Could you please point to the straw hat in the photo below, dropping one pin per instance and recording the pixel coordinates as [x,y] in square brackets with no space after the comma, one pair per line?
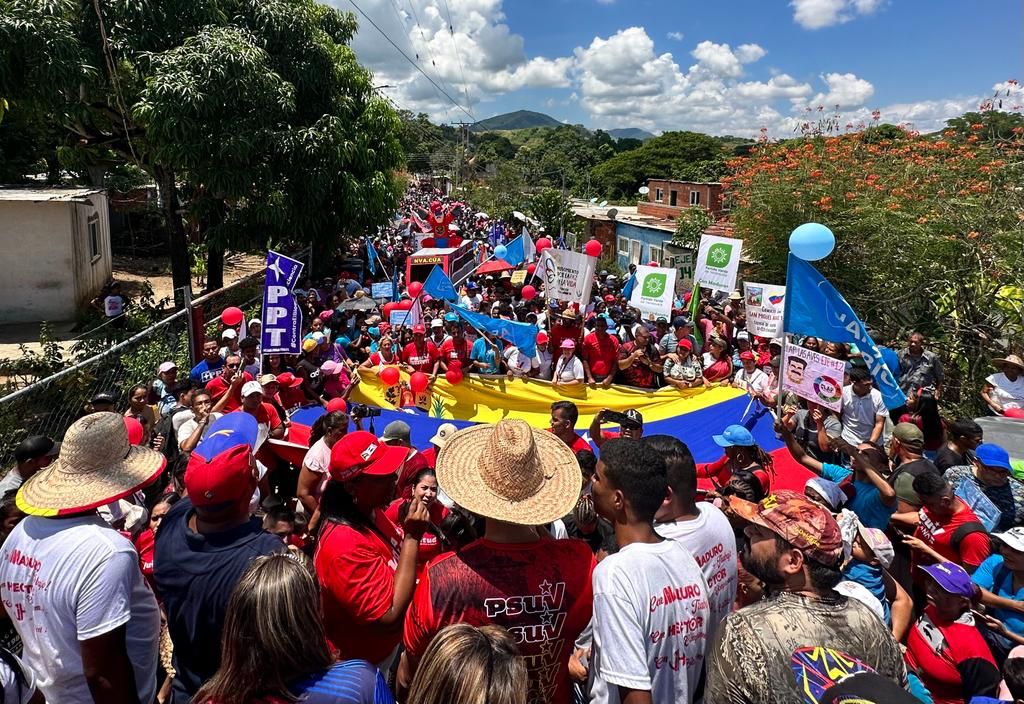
[510,472]
[1009,359]
[96,466]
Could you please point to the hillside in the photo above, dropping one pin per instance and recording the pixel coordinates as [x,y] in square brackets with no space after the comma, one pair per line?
[631,133]
[518,120]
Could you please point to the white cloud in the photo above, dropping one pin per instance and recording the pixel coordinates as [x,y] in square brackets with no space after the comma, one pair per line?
[845,90]
[816,14]
[749,53]
[779,86]
[718,59]
[677,36]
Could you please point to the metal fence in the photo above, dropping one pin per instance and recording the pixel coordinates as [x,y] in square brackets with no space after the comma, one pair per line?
[49,391]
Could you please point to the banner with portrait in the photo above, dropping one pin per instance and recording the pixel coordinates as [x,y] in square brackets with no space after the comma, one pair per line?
[813,376]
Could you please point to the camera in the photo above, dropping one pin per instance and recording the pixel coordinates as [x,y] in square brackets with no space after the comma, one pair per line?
[361,410]
[620,419]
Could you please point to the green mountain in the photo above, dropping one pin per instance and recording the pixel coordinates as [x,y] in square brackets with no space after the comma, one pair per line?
[518,120]
[630,133]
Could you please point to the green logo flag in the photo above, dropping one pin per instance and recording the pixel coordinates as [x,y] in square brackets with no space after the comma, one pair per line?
[654,290]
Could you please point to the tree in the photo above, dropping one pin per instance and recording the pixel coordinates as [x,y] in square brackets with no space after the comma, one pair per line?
[254,119]
[552,210]
[620,176]
[690,224]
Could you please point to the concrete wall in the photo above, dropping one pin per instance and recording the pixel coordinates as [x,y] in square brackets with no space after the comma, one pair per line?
[710,195]
[48,269]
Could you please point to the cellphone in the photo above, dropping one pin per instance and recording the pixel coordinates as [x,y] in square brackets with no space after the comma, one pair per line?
[617,418]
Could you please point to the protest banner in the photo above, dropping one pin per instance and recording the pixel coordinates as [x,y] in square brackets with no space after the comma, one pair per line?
[654,290]
[518,277]
[718,261]
[567,275]
[813,376]
[381,289]
[765,306]
[281,319]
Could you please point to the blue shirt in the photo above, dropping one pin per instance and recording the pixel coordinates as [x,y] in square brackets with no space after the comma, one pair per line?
[194,574]
[867,502]
[870,577]
[483,352]
[993,575]
[204,371]
[348,682]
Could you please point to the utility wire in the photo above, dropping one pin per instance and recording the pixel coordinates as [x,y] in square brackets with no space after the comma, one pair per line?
[451,33]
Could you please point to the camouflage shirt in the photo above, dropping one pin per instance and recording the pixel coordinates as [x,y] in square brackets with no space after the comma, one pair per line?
[789,648]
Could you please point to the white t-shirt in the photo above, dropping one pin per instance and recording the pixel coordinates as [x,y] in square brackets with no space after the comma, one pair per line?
[543,363]
[651,616]
[67,580]
[13,694]
[318,457]
[113,306]
[471,302]
[711,540]
[1008,394]
[568,371]
[186,429]
[518,363]
[859,414]
[755,382]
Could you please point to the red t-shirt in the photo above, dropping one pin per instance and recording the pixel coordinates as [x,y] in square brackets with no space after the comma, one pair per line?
[952,658]
[420,361]
[290,398]
[449,351]
[974,548]
[356,571]
[540,592]
[559,333]
[579,444]
[376,359]
[145,545]
[430,545]
[218,386]
[430,455]
[637,374]
[601,356]
[267,414]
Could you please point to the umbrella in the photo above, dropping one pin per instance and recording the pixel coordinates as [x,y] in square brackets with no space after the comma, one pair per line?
[494,265]
[482,216]
[361,303]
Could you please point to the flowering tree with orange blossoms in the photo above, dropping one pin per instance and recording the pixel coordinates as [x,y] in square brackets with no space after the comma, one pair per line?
[929,231]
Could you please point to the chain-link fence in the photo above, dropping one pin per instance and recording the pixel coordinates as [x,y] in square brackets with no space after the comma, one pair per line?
[47,391]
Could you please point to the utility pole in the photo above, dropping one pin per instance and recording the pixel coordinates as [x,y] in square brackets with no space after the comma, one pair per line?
[462,148]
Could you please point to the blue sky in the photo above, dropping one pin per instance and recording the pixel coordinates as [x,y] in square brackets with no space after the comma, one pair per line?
[726,67]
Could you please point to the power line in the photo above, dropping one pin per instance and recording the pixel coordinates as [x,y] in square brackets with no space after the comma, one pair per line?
[406,57]
[426,44]
[451,33]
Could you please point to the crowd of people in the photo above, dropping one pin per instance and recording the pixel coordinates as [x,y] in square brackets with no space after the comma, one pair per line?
[164,552]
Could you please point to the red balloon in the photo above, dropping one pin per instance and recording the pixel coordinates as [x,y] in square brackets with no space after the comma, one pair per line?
[232,316]
[530,268]
[388,307]
[541,244]
[455,365]
[454,376]
[593,248]
[654,264]
[529,293]
[415,288]
[403,305]
[390,376]
[427,242]
[418,382]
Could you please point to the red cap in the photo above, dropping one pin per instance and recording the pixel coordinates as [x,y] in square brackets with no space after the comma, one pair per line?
[686,345]
[609,298]
[542,337]
[747,356]
[337,404]
[226,477]
[362,453]
[288,379]
[419,329]
[135,430]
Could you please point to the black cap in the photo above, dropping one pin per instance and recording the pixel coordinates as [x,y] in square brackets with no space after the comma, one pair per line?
[35,446]
[103,397]
[635,416]
[681,321]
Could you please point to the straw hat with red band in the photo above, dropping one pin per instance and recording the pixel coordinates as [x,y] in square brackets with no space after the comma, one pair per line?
[362,453]
[96,465]
[510,472]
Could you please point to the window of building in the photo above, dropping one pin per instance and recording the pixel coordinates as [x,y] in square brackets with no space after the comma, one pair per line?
[635,250]
[94,238]
[656,254]
[622,245]
[694,197]
[659,195]
[673,198]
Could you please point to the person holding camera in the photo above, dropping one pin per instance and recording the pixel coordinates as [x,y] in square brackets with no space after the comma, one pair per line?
[631,426]
[640,360]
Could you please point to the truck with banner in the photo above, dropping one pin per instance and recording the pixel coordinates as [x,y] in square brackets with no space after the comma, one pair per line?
[456,262]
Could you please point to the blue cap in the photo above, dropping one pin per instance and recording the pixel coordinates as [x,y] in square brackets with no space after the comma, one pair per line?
[735,436]
[228,431]
[991,455]
[952,578]
[471,286]
[451,318]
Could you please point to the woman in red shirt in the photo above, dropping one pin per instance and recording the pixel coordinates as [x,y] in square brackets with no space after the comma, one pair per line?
[424,490]
[717,363]
[366,565]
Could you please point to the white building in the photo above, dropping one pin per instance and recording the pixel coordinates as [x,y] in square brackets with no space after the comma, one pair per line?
[56,251]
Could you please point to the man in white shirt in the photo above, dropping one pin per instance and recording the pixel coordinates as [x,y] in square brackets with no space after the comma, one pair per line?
[751,379]
[472,299]
[863,414]
[31,455]
[700,527]
[651,609]
[71,584]
[542,360]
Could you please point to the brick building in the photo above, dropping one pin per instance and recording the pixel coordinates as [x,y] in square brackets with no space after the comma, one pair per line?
[668,198]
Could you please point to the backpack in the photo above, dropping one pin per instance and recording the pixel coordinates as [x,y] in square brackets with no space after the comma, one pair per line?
[966,529]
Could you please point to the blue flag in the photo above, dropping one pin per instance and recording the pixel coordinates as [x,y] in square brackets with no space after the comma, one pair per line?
[394,286]
[371,257]
[440,286]
[627,290]
[814,307]
[522,335]
[281,317]
[516,252]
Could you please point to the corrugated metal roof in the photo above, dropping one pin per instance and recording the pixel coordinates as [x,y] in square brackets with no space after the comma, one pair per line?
[42,194]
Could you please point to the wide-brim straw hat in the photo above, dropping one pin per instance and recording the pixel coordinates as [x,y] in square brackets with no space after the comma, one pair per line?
[510,472]
[1009,359]
[96,466]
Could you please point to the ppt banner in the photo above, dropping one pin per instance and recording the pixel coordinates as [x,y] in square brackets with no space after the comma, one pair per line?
[282,319]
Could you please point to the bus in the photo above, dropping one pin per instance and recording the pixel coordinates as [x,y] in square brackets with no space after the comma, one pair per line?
[456,262]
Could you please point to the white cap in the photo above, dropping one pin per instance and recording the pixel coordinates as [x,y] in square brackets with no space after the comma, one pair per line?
[229,334]
[166,367]
[437,323]
[1013,538]
[251,387]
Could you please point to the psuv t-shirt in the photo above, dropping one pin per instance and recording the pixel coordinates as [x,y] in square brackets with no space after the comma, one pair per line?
[195,574]
[540,592]
[952,658]
[974,547]
[421,361]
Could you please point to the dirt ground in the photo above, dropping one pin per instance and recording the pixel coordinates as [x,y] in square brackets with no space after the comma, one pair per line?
[133,273]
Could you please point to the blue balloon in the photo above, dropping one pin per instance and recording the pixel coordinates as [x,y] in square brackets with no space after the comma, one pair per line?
[500,252]
[812,241]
